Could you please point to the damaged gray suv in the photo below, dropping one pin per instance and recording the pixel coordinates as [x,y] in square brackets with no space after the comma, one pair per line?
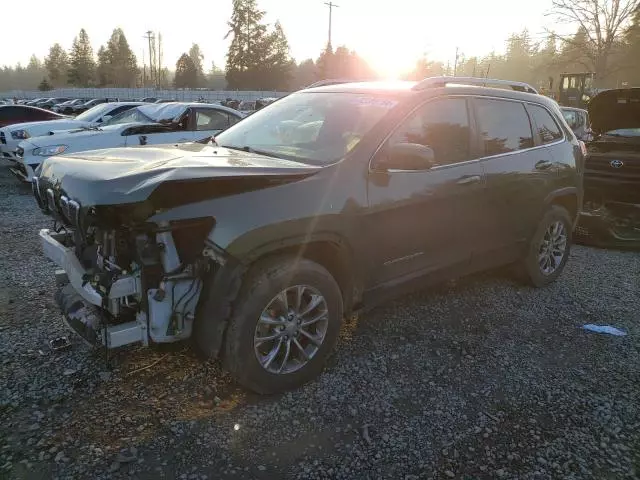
[328,201]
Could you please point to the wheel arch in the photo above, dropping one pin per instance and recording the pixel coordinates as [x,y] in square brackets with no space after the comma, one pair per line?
[568,198]
[329,250]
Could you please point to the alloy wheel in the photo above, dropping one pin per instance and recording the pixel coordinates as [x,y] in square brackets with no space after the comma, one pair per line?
[291,329]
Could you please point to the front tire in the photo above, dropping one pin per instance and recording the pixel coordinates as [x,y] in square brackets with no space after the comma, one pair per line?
[284,325]
[549,248]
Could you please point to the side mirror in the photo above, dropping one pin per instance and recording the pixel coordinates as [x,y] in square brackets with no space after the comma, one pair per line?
[106,118]
[407,156]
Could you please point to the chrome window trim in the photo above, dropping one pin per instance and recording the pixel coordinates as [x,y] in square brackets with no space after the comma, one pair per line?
[466,162]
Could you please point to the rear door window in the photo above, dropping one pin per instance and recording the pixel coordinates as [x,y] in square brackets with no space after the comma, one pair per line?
[503,126]
[546,127]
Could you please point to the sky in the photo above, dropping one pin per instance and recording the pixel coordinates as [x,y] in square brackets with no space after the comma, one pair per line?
[389,35]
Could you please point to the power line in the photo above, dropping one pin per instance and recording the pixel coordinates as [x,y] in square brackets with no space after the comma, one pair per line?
[330,5]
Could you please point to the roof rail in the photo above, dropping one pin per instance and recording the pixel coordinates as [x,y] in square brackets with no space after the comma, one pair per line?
[332,81]
[434,82]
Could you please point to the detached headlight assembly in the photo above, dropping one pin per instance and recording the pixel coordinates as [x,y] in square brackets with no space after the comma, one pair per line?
[19,134]
[49,151]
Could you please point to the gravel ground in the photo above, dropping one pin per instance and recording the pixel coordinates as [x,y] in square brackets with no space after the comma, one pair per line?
[478,379]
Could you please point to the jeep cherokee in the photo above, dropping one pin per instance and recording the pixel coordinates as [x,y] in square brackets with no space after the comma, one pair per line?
[330,200]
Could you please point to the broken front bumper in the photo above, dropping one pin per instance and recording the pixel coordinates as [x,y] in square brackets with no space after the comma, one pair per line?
[602,227]
[83,306]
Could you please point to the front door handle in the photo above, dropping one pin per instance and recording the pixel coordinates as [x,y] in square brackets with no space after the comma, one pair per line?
[469,180]
[543,165]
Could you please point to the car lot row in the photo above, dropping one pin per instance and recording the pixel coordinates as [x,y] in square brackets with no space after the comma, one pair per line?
[111,124]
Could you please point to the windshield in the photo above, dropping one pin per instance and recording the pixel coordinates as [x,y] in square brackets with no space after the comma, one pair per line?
[573,118]
[624,132]
[312,127]
[134,115]
[94,113]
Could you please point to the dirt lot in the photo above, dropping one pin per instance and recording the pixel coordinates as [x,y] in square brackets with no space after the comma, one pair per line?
[480,379]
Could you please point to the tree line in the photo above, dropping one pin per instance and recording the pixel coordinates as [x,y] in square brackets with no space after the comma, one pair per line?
[607,42]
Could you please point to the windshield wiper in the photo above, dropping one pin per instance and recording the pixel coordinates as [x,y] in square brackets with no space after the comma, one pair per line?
[249,149]
[94,127]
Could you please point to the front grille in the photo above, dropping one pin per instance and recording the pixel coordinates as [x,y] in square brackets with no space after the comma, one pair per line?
[70,210]
[613,166]
[61,207]
[3,139]
[35,188]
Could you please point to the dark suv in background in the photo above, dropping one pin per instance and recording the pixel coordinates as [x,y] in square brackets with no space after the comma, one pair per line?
[328,201]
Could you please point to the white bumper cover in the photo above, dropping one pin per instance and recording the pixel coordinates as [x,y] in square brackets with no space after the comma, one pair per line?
[66,259]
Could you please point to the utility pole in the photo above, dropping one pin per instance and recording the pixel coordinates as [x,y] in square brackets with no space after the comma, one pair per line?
[159,62]
[330,5]
[144,71]
[455,65]
[151,39]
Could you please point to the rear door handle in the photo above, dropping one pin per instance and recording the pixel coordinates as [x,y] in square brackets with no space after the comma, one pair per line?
[543,165]
[469,180]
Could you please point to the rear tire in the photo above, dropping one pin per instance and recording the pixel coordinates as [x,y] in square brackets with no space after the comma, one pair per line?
[274,296]
[549,248]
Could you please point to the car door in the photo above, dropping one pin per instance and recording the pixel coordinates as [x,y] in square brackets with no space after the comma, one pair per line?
[417,219]
[519,171]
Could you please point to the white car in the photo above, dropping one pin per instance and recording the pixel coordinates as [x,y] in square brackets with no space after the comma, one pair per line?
[150,124]
[12,135]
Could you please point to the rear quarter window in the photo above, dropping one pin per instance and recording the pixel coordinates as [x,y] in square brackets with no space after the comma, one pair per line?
[504,126]
[544,124]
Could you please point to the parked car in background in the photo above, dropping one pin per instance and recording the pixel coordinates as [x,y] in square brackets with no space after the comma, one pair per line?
[33,102]
[611,210]
[12,135]
[51,102]
[247,106]
[329,200]
[83,107]
[147,124]
[578,120]
[165,100]
[66,108]
[149,99]
[11,114]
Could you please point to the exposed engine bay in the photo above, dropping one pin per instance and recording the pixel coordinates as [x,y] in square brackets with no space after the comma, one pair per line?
[126,285]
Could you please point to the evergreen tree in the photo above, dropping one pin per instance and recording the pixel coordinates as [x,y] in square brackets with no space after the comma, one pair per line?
[304,74]
[632,51]
[44,85]
[279,64]
[186,73]
[57,65]
[249,46]
[117,65]
[82,66]
[197,58]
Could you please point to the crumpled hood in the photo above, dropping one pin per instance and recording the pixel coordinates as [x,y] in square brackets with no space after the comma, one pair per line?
[127,175]
[615,109]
